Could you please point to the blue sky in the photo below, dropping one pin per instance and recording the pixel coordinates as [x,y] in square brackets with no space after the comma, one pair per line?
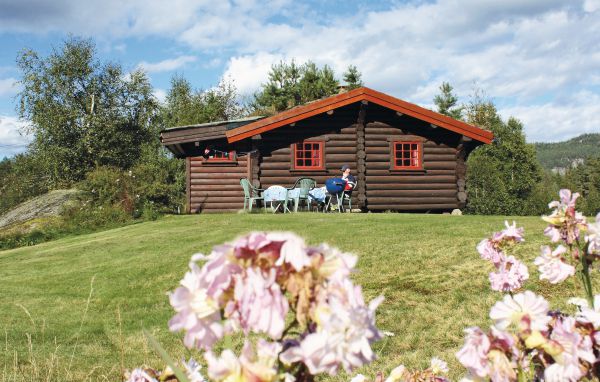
[538,59]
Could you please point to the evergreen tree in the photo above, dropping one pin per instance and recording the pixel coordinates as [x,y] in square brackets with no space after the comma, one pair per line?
[291,85]
[352,78]
[447,102]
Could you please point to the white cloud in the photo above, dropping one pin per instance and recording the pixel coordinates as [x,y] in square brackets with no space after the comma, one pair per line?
[160,94]
[556,121]
[8,87]
[11,140]
[249,72]
[166,65]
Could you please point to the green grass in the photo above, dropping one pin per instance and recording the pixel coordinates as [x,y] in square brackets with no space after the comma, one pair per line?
[426,266]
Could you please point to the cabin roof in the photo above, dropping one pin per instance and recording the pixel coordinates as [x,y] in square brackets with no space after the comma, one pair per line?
[362,94]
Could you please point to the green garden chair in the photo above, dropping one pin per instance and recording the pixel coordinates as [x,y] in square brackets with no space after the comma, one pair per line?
[304,185]
[251,194]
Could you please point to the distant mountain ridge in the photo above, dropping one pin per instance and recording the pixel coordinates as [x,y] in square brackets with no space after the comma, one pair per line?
[559,156]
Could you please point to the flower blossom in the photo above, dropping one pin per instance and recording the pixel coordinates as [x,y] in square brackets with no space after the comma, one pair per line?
[488,251]
[196,302]
[438,366]
[192,371]
[259,367]
[474,353]
[344,333]
[512,310]
[510,276]
[590,315]
[140,375]
[565,222]
[552,266]
[593,237]
[261,305]
[510,233]
[574,348]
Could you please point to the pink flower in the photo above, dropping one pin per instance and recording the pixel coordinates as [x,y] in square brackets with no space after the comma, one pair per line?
[565,222]
[510,233]
[474,353]
[140,375]
[293,250]
[197,312]
[344,333]
[510,276]
[552,266]
[512,310]
[590,315]
[192,371]
[260,367]
[575,349]
[261,306]
[593,237]
[335,264]
[488,251]
[225,367]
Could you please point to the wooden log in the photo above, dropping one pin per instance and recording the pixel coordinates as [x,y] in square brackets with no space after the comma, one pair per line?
[329,149]
[215,187]
[225,175]
[340,157]
[410,186]
[232,206]
[217,199]
[411,179]
[271,173]
[212,193]
[218,169]
[410,207]
[446,193]
[410,200]
[439,165]
[204,181]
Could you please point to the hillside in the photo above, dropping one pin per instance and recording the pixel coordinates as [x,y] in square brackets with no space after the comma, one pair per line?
[426,266]
[565,154]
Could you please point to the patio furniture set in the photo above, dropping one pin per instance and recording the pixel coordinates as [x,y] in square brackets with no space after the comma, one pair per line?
[304,192]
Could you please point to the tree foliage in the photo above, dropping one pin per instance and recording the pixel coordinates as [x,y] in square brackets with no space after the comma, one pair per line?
[186,106]
[83,113]
[291,85]
[502,176]
[447,102]
[352,78]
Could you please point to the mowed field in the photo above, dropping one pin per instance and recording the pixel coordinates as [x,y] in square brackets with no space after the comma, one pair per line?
[74,309]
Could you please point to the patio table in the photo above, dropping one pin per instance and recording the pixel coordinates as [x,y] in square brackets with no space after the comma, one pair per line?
[277,196]
[316,194]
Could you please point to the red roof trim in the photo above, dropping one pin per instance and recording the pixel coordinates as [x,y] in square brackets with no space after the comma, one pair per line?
[361,94]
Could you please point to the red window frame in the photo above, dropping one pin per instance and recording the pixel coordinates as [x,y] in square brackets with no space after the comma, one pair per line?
[407,155]
[222,156]
[308,155]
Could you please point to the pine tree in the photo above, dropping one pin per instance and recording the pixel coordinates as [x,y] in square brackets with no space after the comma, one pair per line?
[447,101]
[352,78]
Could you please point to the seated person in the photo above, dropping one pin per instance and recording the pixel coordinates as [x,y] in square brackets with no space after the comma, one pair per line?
[349,178]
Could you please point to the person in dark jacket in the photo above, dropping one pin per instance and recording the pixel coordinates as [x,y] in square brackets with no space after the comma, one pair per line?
[349,178]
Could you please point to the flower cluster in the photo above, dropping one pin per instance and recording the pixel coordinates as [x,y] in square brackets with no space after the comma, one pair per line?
[436,372]
[527,340]
[191,370]
[510,273]
[275,285]
[565,222]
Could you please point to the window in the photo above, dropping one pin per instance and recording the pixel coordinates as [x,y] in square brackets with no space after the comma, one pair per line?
[308,155]
[220,156]
[407,155]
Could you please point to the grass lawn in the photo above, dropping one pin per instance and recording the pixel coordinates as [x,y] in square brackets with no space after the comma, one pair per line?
[426,266]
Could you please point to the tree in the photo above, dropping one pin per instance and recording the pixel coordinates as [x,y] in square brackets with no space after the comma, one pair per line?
[186,106]
[291,85]
[83,113]
[352,78]
[447,102]
[502,176]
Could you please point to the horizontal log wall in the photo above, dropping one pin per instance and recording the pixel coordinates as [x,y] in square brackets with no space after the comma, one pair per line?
[216,187]
[433,188]
[276,153]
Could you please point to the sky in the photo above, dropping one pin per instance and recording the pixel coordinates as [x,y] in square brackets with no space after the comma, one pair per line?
[537,60]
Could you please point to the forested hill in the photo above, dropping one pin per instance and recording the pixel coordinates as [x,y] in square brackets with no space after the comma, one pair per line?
[564,154]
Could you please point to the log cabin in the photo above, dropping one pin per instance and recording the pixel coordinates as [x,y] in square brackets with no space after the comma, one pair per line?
[404,157]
